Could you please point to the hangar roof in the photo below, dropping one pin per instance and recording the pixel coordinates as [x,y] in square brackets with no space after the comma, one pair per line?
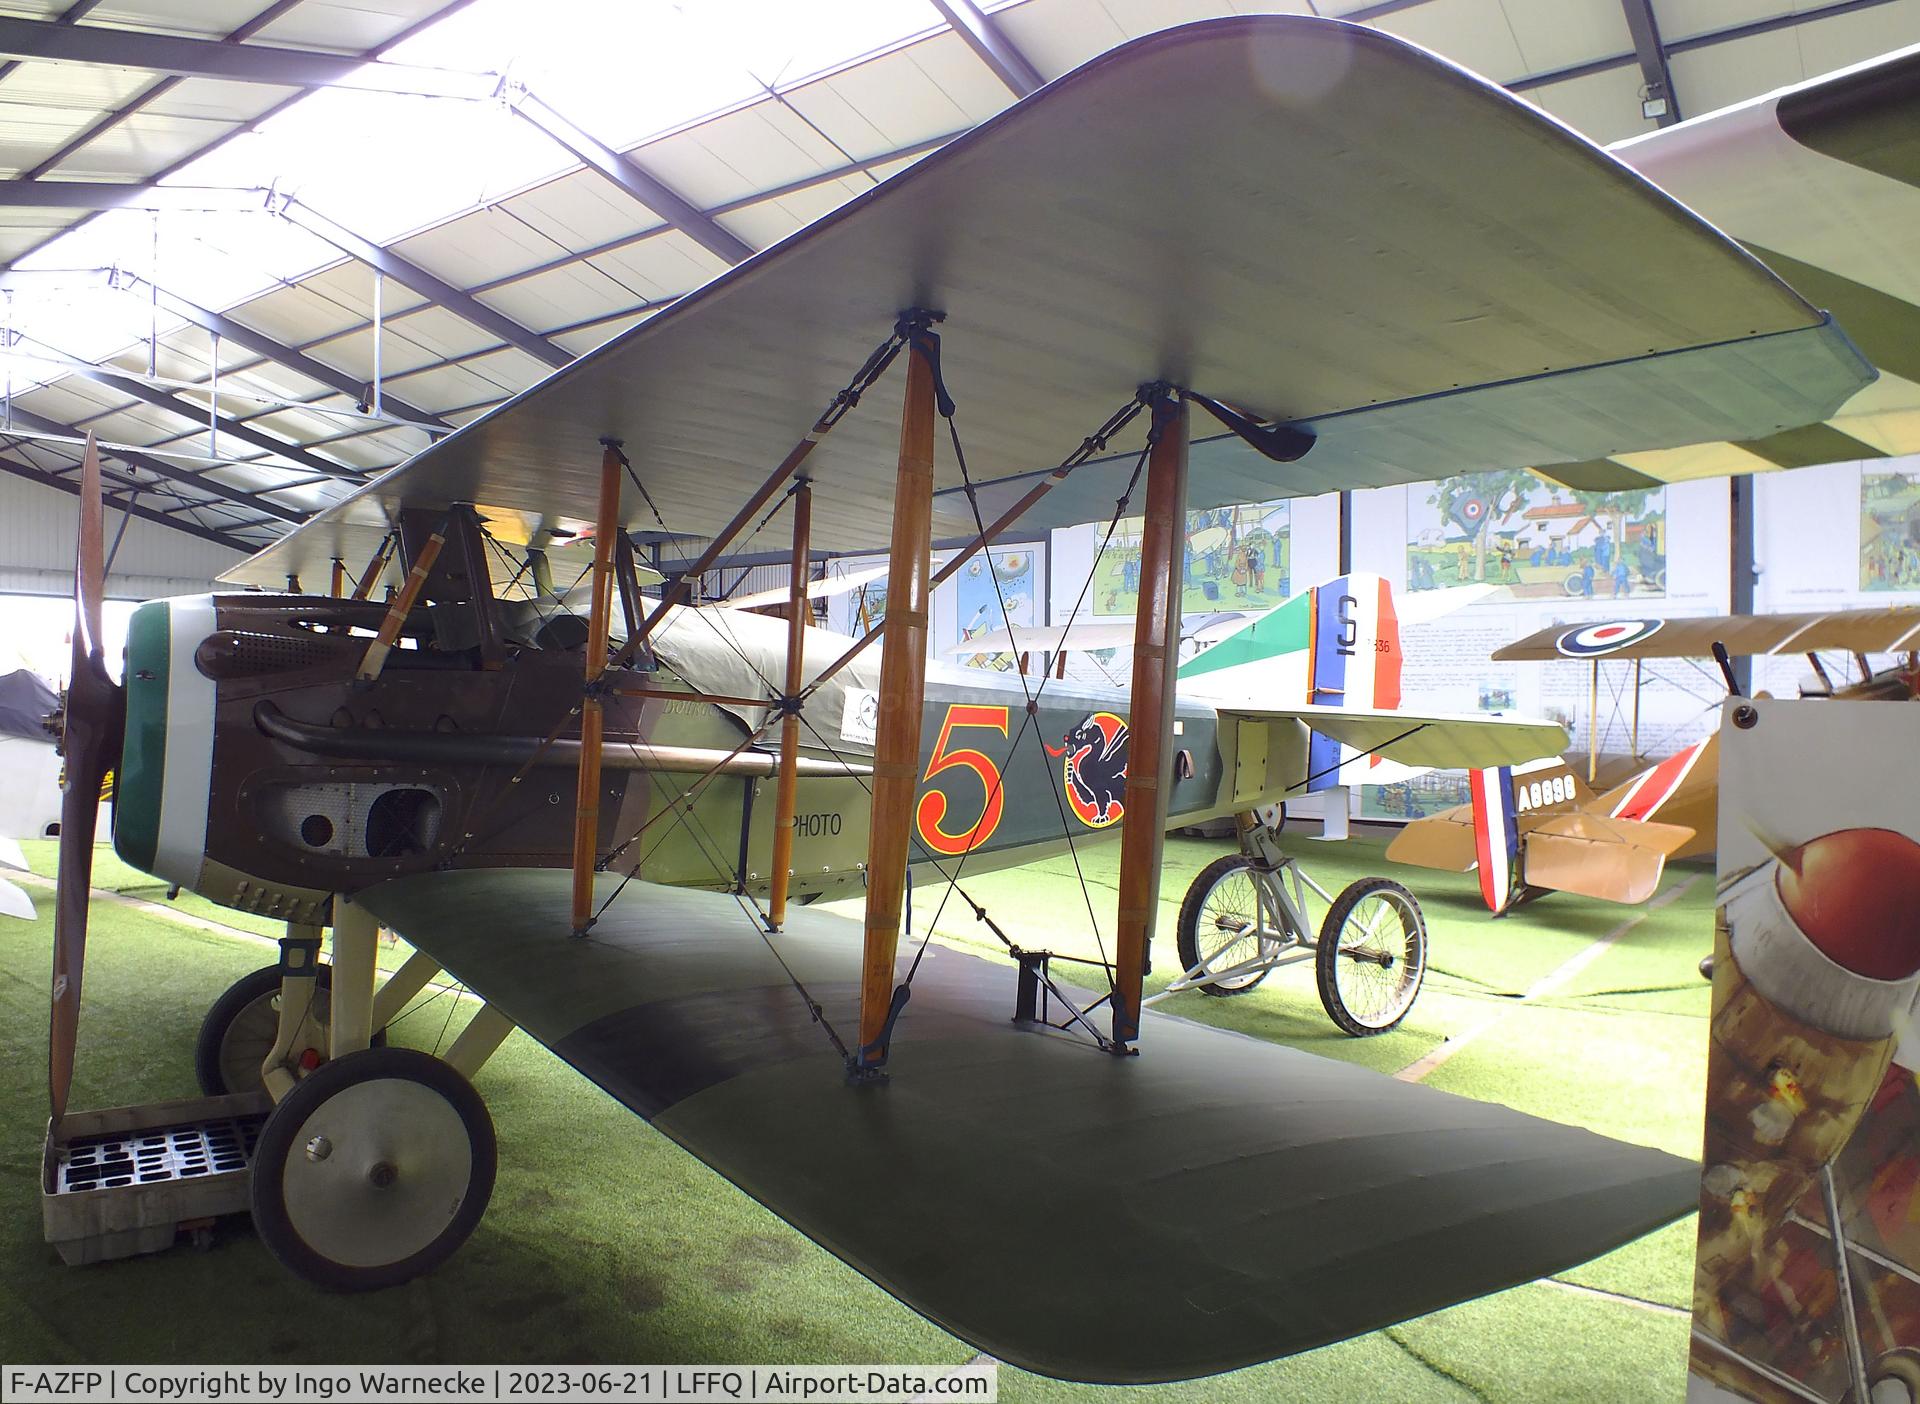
[201,196]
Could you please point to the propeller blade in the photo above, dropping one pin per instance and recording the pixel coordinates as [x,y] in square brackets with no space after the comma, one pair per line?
[95,716]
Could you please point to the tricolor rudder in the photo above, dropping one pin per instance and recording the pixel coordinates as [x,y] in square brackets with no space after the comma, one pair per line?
[1496,839]
[1354,662]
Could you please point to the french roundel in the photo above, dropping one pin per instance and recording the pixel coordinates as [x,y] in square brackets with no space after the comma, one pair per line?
[1597,640]
[1472,510]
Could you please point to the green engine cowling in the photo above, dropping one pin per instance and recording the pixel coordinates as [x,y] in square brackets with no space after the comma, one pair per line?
[163,795]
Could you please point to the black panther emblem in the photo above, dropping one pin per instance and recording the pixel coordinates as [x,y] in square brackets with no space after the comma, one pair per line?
[1096,768]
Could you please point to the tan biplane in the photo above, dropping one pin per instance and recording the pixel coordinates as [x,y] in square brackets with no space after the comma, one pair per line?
[1360,265]
[1614,844]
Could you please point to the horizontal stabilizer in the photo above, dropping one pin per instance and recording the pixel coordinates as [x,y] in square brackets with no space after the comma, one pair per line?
[1446,739]
[1443,841]
[1614,860]
[1214,1202]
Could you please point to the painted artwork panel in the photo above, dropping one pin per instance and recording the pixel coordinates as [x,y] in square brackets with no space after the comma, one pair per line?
[992,591]
[1536,540]
[1234,558]
[1890,530]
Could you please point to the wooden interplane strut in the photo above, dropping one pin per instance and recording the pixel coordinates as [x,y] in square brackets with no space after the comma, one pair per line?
[1156,660]
[903,675]
[787,792]
[680,591]
[375,567]
[586,811]
[402,606]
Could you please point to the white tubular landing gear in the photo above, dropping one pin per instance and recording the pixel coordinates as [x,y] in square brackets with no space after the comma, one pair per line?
[1246,916]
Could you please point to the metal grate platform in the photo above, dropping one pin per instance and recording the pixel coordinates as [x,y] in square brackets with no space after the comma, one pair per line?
[156,1156]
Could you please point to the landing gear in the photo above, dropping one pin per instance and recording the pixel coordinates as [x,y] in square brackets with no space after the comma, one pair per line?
[1372,956]
[1221,928]
[373,1169]
[1245,916]
[241,1027]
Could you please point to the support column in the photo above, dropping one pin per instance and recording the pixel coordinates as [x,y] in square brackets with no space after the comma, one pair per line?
[1156,659]
[1593,722]
[586,810]
[789,782]
[356,945]
[903,673]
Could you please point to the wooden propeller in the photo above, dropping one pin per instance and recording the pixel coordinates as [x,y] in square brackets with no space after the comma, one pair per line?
[95,717]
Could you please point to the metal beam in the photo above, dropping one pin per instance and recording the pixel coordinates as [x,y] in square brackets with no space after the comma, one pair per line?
[986,38]
[628,174]
[1697,41]
[1652,55]
[198,414]
[205,533]
[1743,566]
[227,329]
[244,63]
[160,468]
[412,276]
[173,168]
[109,195]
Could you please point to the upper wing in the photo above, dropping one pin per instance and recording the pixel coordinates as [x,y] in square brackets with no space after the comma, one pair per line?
[1818,180]
[1855,630]
[1311,220]
[1454,740]
[1214,1202]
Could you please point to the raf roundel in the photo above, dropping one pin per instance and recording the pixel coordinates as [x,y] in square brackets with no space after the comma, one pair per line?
[1598,640]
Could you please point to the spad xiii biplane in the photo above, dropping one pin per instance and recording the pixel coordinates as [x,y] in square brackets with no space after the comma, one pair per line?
[1232,261]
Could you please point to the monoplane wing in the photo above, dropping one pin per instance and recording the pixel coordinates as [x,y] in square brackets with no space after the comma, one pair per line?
[1214,1202]
[14,902]
[1086,636]
[825,587]
[1315,222]
[1893,630]
[1818,180]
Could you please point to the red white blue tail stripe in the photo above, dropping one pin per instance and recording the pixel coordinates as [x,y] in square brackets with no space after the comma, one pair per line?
[1496,839]
[1654,786]
[1354,661]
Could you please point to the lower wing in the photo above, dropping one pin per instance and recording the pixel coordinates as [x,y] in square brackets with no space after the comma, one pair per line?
[1214,1202]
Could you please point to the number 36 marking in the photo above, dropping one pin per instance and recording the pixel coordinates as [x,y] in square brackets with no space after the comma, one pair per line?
[932,809]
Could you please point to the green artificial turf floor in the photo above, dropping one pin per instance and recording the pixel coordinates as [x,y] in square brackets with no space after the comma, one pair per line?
[604,1242]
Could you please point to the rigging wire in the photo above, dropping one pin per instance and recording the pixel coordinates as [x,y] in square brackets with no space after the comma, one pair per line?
[1031,719]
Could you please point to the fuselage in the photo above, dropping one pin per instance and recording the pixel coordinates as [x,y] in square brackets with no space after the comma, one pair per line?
[259,773]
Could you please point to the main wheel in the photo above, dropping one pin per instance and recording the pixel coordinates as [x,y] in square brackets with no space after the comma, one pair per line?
[1372,956]
[373,1170]
[1220,924]
[244,1023]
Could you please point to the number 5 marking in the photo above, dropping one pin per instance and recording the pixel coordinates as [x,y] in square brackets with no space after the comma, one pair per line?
[933,804]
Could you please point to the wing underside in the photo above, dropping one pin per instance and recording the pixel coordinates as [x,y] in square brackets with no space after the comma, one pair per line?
[1457,278]
[1214,1202]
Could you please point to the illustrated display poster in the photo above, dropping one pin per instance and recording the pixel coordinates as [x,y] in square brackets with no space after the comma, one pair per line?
[1807,1271]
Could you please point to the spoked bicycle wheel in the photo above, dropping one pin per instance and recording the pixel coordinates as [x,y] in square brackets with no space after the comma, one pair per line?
[1372,956]
[1220,925]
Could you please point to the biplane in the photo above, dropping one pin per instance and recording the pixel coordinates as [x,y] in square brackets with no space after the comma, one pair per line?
[1539,827]
[1241,259]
